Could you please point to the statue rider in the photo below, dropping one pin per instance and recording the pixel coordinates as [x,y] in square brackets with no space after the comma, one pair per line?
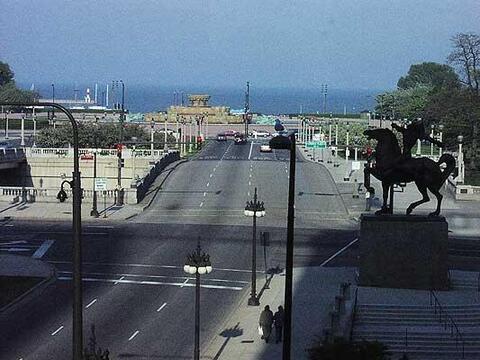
[413,132]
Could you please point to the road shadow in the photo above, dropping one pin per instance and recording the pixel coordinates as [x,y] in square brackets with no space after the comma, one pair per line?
[228,334]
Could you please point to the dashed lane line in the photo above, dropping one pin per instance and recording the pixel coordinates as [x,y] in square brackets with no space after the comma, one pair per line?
[133,335]
[161,307]
[91,303]
[119,280]
[201,204]
[58,330]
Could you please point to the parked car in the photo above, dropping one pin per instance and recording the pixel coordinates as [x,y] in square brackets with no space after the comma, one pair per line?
[240,139]
[265,148]
[221,137]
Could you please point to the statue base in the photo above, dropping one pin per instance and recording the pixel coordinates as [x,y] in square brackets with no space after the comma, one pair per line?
[400,251]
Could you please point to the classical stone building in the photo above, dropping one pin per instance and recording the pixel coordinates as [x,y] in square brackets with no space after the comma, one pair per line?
[199,107]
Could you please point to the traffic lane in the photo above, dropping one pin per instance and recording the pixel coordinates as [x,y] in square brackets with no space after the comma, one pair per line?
[26,329]
[316,191]
[214,150]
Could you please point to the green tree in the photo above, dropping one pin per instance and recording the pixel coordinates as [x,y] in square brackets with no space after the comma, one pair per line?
[466,56]
[429,74]
[6,75]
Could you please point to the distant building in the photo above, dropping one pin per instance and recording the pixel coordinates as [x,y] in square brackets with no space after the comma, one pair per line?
[199,107]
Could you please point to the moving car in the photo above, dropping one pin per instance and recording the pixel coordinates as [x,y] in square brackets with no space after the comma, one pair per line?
[240,139]
[221,137]
[265,148]
[231,133]
[260,133]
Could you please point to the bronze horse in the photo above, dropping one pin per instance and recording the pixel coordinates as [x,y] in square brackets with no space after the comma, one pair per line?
[391,167]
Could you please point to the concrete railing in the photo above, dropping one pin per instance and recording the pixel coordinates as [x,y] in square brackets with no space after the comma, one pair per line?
[68,152]
[463,192]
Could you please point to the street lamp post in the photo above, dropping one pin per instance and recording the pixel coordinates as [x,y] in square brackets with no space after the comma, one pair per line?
[77,343]
[254,209]
[53,100]
[440,138]
[461,164]
[6,124]
[94,211]
[22,131]
[288,142]
[197,263]
[431,135]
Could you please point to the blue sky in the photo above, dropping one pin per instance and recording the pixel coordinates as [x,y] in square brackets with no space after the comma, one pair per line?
[272,43]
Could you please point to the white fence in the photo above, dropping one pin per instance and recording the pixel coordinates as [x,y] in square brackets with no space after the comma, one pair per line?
[68,152]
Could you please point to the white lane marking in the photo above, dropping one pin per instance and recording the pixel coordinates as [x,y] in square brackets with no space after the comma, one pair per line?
[43,249]
[205,193]
[339,252]
[211,175]
[119,280]
[248,194]
[229,146]
[99,226]
[153,277]
[161,307]
[57,331]
[249,183]
[133,335]
[214,169]
[250,153]
[208,184]
[91,303]
[201,204]
[8,225]
[148,265]
[184,283]
[158,283]
[69,232]
[250,175]
[286,171]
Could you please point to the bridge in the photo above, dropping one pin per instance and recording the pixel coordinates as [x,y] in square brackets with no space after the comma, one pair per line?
[11,158]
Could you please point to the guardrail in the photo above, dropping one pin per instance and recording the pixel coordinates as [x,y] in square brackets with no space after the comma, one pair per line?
[448,321]
[68,152]
[11,154]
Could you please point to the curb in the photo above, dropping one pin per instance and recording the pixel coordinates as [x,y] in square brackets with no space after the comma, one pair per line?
[29,294]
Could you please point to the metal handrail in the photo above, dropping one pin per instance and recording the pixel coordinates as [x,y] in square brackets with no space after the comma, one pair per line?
[354,313]
[447,318]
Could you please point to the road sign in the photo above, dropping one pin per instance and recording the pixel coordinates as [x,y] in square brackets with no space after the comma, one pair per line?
[317,144]
[100,184]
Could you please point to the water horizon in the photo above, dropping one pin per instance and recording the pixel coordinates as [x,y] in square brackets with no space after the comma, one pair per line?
[140,98]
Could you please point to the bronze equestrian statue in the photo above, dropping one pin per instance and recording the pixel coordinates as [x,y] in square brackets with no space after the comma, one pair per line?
[392,167]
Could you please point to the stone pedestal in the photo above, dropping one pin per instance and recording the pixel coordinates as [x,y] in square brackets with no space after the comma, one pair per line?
[400,251]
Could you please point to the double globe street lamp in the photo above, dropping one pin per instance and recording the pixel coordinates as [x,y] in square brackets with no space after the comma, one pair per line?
[254,209]
[197,263]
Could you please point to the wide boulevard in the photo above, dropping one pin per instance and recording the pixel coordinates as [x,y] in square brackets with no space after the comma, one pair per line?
[135,291]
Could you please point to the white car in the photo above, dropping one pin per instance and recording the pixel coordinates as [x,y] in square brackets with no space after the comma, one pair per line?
[260,133]
[265,148]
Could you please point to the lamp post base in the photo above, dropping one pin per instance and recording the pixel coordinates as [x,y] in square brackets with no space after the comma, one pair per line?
[94,213]
[253,301]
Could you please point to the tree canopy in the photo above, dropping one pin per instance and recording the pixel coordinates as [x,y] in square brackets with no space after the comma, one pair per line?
[6,75]
[9,92]
[429,74]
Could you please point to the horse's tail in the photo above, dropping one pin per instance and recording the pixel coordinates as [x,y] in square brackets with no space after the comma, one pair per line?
[449,160]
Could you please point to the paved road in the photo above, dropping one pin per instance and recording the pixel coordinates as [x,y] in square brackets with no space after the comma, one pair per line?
[136,294]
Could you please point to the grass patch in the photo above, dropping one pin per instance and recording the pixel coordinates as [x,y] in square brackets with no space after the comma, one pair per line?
[472,178]
[14,286]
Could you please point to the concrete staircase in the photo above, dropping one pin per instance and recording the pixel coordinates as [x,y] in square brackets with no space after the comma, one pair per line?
[417,331]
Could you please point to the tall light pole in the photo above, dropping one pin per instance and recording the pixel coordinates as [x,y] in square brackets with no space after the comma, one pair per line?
[247,108]
[440,138]
[431,135]
[22,131]
[254,209]
[94,211]
[288,142]
[120,141]
[197,263]
[461,164]
[77,343]
[53,101]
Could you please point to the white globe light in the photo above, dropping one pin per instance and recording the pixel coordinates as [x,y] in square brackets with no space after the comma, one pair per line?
[209,269]
[192,270]
[186,268]
[202,270]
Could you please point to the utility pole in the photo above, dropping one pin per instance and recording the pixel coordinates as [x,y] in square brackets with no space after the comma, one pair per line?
[324,92]
[247,108]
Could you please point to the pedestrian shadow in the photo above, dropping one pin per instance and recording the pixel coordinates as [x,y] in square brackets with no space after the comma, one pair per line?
[228,334]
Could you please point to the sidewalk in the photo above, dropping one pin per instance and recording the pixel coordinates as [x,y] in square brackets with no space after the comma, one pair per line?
[314,291]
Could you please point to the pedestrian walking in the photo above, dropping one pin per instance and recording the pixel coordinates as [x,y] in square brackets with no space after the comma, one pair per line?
[266,322]
[278,323]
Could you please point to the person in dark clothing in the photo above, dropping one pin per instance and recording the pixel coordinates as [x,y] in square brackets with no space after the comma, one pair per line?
[266,322]
[278,322]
